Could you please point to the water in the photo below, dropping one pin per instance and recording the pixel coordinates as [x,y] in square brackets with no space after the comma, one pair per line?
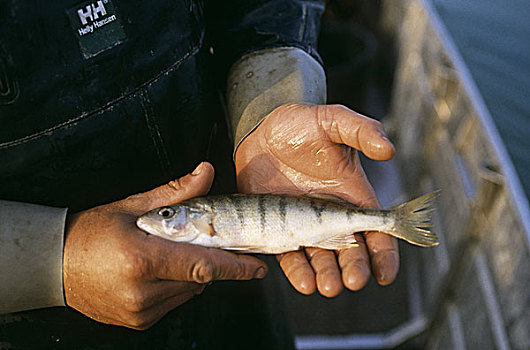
[493,38]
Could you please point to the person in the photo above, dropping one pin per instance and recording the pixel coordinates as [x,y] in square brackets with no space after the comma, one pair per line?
[106,100]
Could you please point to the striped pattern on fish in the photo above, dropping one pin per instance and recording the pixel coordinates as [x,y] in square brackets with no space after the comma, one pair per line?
[272,224]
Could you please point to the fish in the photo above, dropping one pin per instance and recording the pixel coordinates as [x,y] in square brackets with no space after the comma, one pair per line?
[274,224]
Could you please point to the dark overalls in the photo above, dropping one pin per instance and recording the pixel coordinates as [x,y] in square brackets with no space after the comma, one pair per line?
[103,99]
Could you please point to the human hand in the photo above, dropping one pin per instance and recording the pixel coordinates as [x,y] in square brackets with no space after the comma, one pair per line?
[308,148]
[118,274]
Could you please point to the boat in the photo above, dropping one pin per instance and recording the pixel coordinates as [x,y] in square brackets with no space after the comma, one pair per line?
[470,292]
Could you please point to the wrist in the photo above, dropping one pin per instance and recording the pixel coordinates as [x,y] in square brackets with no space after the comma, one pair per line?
[264,80]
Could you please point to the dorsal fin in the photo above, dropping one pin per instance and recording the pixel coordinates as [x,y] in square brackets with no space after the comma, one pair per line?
[329,198]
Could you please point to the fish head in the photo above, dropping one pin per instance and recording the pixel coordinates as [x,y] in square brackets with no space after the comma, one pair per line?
[179,222]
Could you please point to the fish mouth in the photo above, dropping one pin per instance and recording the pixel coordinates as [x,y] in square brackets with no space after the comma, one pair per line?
[144,225]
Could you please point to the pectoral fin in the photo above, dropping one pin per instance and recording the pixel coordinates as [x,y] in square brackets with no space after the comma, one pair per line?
[204,226]
[341,241]
[248,249]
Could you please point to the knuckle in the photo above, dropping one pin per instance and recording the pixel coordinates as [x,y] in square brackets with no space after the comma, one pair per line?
[238,270]
[338,108]
[168,190]
[134,300]
[131,200]
[294,264]
[241,270]
[327,270]
[175,185]
[135,266]
[203,271]
[360,262]
[319,255]
[354,259]
[134,198]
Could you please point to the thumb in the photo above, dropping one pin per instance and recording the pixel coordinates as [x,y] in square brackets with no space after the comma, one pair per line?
[365,134]
[194,184]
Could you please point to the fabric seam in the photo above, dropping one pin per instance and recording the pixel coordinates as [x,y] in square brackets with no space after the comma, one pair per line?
[108,105]
[154,131]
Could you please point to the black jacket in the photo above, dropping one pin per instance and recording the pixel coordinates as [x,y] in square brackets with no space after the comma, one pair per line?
[88,117]
[106,98]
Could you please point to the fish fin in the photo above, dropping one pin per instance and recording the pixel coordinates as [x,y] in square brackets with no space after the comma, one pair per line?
[247,249]
[412,219]
[204,226]
[330,198]
[340,241]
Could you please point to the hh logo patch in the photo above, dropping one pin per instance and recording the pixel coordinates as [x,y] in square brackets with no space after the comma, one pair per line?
[97,26]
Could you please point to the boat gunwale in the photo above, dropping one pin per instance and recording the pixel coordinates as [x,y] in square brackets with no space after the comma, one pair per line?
[512,181]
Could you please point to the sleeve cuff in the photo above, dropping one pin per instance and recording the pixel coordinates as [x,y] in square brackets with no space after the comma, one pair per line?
[266,79]
[31,256]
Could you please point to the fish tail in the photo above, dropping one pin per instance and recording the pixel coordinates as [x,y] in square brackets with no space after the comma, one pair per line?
[412,219]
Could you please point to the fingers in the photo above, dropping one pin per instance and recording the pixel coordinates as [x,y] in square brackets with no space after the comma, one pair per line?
[144,318]
[328,276]
[170,294]
[139,306]
[149,317]
[298,271]
[381,249]
[197,265]
[195,184]
[355,265]
[345,126]
[186,262]
[384,254]
[140,298]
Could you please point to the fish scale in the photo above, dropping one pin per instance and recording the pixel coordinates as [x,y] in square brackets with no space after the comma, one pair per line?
[272,224]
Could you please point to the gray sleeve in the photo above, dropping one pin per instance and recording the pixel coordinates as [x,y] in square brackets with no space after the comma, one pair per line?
[31,256]
[263,80]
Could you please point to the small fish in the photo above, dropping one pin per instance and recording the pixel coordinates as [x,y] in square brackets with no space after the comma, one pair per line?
[273,224]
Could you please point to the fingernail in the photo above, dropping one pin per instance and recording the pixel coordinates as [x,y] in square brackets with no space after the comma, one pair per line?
[260,273]
[385,138]
[197,170]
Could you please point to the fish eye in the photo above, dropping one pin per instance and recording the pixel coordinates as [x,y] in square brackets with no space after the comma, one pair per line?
[166,212]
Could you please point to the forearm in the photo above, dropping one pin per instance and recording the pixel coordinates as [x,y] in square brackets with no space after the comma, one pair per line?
[273,44]
[265,79]
[31,253]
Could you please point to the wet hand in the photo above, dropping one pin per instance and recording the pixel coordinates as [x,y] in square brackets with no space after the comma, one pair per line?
[117,274]
[303,148]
